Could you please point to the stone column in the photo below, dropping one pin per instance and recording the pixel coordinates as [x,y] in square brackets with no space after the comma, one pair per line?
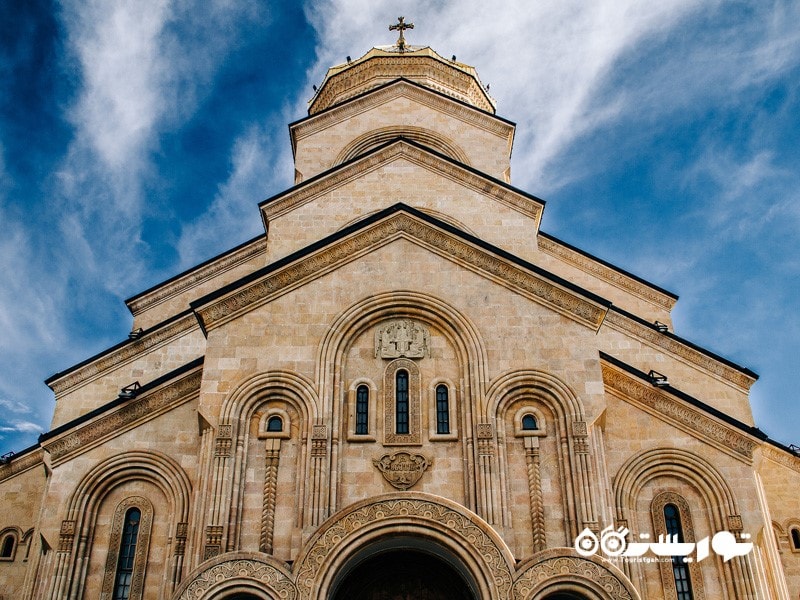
[270,494]
[535,493]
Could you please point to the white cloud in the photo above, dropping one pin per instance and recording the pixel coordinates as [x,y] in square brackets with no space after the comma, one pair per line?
[21,427]
[143,67]
[14,406]
[118,47]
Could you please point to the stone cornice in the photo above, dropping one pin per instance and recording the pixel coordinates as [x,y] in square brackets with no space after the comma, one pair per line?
[219,310]
[679,413]
[435,74]
[782,457]
[405,89]
[140,409]
[25,462]
[401,148]
[606,273]
[127,352]
[680,350]
[196,276]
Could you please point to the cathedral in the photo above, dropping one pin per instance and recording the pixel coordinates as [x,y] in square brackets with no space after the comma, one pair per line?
[403,388]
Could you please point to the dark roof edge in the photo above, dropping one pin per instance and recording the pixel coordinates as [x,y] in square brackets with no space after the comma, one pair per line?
[392,82]
[116,347]
[417,145]
[749,429]
[174,374]
[373,218]
[782,446]
[609,265]
[205,263]
[677,338]
[15,455]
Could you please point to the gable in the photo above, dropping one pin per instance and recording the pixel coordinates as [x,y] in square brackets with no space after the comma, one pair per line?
[399,221]
[401,171]
[402,108]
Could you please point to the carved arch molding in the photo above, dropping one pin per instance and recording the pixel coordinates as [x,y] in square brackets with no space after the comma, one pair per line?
[474,541]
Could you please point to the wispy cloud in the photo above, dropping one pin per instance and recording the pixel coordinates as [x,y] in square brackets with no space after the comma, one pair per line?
[259,159]
[21,427]
[143,67]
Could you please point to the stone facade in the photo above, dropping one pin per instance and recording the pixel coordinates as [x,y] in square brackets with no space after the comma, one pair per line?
[402,382]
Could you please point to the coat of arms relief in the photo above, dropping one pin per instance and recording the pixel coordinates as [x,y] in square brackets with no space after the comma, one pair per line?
[402,338]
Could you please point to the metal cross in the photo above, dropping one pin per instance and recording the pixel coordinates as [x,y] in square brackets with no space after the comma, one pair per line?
[401,27]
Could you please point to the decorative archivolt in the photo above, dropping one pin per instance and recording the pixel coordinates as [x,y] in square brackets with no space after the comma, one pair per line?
[72,558]
[572,450]
[426,137]
[443,522]
[155,467]
[255,389]
[258,575]
[641,468]
[553,392]
[564,570]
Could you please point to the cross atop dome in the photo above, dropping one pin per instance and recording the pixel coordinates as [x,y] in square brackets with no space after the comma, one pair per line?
[401,26]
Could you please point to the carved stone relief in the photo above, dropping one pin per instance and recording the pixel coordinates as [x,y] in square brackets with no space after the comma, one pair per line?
[402,338]
[402,469]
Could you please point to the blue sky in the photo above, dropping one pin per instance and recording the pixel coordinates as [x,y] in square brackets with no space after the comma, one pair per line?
[137,138]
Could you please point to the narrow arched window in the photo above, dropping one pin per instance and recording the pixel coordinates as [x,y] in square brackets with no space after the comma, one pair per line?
[529,423]
[442,409]
[127,553]
[7,547]
[680,569]
[795,534]
[362,410]
[401,402]
[275,424]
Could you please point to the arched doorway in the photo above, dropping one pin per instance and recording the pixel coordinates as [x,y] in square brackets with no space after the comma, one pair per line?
[403,570]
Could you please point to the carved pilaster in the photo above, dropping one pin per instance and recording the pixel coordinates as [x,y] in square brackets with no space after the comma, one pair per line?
[66,536]
[735,524]
[270,494]
[319,453]
[583,478]
[486,453]
[181,533]
[213,545]
[224,442]
[535,493]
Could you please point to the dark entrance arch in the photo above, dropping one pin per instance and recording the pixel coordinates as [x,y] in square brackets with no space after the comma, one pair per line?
[402,574]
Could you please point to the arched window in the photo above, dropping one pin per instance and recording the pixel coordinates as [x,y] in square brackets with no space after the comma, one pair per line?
[402,415]
[794,533]
[401,402]
[362,410]
[442,409]
[127,549]
[529,423]
[8,546]
[127,553]
[680,569]
[275,424]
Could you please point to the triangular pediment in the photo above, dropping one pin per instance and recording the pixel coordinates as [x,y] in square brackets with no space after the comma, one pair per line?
[494,190]
[396,222]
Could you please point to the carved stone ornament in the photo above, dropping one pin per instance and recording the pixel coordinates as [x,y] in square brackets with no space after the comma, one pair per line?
[402,469]
[402,338]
